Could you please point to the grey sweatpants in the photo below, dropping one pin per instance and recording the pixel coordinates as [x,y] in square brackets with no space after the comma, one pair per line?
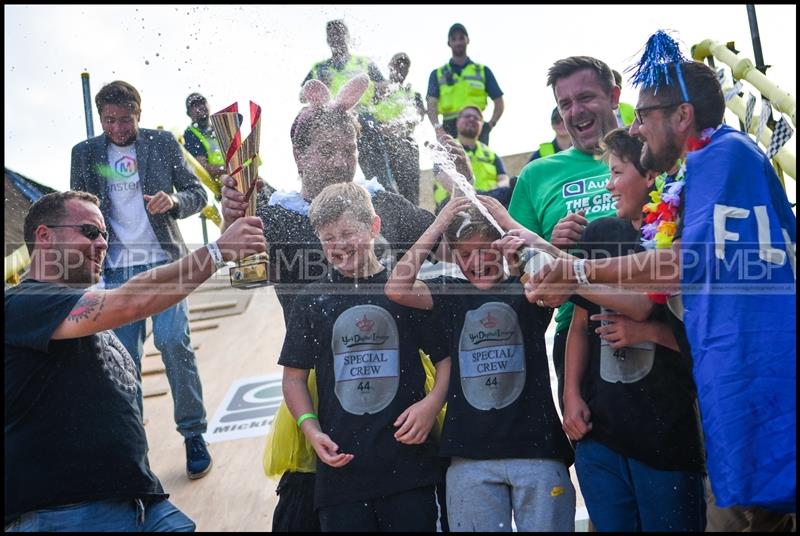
[481,494]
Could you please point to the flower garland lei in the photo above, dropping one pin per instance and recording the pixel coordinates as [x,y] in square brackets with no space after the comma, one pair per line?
[661,214]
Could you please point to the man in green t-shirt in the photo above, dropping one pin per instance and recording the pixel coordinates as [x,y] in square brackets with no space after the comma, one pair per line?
[556,197]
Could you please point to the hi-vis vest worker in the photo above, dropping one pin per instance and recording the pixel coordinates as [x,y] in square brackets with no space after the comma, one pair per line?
[336,78]
[211,145]
[483,169]
[398,103]
[457,91]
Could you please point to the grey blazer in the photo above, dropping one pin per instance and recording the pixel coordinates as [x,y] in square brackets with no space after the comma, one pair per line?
[161,168]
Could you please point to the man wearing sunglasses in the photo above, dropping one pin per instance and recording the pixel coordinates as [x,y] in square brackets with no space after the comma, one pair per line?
[75,445]
[144,187]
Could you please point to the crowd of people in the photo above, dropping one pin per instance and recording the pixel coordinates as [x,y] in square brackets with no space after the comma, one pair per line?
[673,271]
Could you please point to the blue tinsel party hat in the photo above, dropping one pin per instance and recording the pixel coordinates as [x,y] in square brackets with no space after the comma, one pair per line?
[652,70]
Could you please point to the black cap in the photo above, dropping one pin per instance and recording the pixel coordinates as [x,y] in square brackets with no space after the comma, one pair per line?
[555,116]
[194,97]
[457,27]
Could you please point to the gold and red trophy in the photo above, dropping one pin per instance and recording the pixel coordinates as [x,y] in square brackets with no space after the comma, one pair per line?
[241,163]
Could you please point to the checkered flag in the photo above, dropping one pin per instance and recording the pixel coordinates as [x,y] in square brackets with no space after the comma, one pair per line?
[748,116]
[733,91]
[780,136]
[766,110]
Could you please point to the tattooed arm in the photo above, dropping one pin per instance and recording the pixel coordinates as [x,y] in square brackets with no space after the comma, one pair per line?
[153,291]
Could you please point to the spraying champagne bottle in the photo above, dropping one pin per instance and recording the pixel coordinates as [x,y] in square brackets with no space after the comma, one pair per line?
[531,261]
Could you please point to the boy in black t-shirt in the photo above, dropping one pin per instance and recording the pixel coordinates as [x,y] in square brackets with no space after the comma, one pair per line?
[377,465]
[628,392]
[501,429]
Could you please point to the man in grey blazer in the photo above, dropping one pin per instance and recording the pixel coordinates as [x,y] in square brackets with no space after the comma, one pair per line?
[144,187]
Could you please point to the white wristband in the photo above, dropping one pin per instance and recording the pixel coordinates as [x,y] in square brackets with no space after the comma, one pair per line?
[216,255]
[580,272]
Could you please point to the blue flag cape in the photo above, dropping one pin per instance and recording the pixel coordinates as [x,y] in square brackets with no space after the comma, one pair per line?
[740,316]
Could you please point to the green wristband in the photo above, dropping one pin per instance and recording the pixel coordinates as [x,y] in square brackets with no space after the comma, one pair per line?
[305,416]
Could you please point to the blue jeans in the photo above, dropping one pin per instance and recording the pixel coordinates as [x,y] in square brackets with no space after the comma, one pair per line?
[106,516]
[625,495]
[171,337]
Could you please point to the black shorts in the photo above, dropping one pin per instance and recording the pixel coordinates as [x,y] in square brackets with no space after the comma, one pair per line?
[295,509]
[407,511]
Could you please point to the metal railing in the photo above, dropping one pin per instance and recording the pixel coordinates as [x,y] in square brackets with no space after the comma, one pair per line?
[744,69]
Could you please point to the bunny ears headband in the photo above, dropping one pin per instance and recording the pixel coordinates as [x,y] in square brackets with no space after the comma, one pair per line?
[319,97]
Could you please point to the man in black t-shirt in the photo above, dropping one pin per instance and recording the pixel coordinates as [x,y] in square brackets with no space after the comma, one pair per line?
[75,445]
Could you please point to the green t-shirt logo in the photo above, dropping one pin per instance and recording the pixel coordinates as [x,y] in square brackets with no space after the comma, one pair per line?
[573,188]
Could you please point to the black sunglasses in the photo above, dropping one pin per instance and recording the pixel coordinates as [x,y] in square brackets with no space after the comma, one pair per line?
[87,229]
[638,111]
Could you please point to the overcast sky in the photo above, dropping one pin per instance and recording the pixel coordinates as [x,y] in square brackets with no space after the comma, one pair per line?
[262,53]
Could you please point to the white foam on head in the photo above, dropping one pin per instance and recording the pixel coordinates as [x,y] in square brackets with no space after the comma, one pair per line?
[465,223]
[446,161]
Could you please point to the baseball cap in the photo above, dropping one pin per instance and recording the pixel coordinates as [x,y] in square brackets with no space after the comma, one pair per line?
[457,27]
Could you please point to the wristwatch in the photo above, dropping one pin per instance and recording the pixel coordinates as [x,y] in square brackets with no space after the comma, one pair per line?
[580,272]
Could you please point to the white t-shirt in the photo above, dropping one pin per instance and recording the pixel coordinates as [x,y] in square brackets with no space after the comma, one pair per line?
[136,241]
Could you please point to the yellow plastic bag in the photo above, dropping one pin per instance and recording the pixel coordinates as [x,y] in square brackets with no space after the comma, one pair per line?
[430,377]
[286,448]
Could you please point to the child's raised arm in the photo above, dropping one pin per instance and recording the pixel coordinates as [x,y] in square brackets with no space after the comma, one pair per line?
[298,400]
[403,286]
